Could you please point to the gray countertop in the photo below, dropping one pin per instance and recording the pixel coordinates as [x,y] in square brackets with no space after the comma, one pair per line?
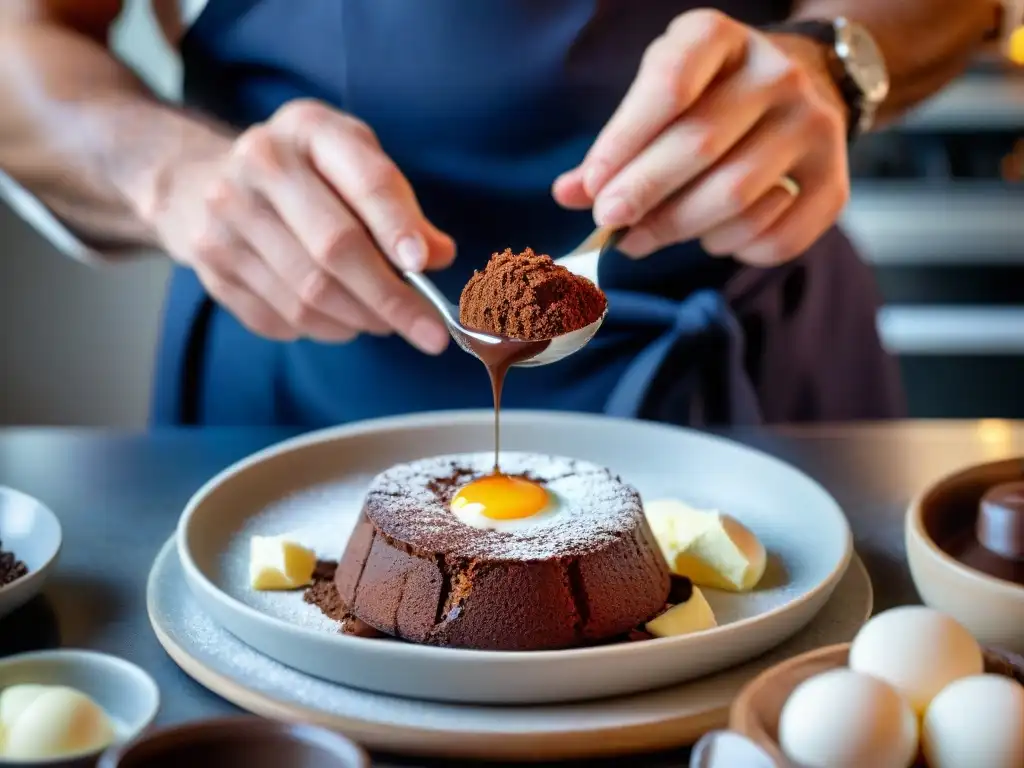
[119,497]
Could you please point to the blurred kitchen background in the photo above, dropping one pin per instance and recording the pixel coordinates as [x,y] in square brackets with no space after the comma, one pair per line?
[938,207]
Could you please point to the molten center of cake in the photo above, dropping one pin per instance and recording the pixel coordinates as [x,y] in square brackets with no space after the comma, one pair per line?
[500,497]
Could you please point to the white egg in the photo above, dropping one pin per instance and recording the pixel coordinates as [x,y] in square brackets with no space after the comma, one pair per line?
[843,719]
[976,722]
[472,514]
[917,650]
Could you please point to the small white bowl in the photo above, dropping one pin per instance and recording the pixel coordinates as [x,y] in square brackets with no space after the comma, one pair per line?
[126,693]
[30,530]
[991,608]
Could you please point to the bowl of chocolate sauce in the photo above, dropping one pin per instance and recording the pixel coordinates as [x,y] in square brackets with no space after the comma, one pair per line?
[965,546]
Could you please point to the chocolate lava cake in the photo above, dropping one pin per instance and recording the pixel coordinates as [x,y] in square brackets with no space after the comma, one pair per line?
[588,571]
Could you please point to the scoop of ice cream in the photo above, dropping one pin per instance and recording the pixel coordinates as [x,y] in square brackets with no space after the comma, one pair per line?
[51,721]
[528,296]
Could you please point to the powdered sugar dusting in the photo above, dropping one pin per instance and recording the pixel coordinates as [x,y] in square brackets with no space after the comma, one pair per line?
[595,507]
[320,518]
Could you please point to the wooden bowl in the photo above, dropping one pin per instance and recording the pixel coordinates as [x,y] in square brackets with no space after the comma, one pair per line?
[755,711]
[941,547]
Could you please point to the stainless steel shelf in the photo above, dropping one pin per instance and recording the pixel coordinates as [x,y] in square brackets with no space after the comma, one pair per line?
[959,223]
[986,102]
[952,330]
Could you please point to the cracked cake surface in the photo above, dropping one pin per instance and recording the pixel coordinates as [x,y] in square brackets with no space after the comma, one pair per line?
[591,571]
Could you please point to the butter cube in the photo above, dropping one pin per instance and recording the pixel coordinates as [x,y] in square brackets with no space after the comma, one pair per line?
[695,615]
[711,549]
[276,562]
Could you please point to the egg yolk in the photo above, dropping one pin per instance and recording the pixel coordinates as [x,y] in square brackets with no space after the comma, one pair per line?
[502,497]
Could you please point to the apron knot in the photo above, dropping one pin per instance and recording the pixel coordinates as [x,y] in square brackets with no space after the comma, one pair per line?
[690,369]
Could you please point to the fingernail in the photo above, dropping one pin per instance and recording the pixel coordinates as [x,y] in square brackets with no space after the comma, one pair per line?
[411,253]
[429,335]
[612,211]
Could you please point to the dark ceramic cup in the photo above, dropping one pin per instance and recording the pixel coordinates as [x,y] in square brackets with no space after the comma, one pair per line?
[249,741]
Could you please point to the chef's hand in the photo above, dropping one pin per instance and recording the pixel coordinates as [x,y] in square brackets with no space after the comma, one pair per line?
[719,122]
[291,225]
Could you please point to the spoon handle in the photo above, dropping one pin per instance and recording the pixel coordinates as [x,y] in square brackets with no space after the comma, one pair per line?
[426,288]
[613,240]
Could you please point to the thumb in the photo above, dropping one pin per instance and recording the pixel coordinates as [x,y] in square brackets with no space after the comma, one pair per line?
[440,249]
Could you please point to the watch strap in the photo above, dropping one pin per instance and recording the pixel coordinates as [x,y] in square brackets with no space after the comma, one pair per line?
[824,32]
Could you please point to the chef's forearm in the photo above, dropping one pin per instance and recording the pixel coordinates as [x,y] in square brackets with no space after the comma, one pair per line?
[926,43]
[81,132]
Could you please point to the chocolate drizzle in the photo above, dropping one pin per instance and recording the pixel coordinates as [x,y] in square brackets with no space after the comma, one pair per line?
[526,300]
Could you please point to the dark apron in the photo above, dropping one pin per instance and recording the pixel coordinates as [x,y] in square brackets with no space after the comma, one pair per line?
[482,105]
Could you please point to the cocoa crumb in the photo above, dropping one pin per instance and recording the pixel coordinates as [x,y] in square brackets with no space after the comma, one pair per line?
[528,296]
[324,595]
[445,488]
[11,569]
[681,590]
[638,636]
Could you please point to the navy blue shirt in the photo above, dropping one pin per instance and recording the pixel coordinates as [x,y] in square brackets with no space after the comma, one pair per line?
[482,105]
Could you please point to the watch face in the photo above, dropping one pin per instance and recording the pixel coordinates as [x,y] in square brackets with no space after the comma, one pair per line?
[863,61]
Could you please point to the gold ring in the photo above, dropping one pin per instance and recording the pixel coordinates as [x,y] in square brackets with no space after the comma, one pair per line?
[790,184]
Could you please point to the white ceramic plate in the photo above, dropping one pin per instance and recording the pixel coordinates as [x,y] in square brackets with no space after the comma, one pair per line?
[313,485]
[32,532]
[668,717]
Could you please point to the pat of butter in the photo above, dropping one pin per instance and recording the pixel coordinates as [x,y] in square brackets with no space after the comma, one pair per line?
[711,549]
[276,562]
[695,615]
[43,722]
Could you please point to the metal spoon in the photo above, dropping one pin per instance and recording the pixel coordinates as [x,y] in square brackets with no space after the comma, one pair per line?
[582,261]
[728,749]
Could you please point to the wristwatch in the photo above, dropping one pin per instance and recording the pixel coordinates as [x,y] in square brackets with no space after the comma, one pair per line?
[856,62]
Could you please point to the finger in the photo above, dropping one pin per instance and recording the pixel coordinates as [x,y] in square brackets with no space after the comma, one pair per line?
[257,224]
[676,69]
[744,175]
[344,249]
[811,214]
[253,273]
[345,152]
[339,243]
[367,275]
[741,231]
[569,192]
[214,254]
[251,311]
[684,151]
